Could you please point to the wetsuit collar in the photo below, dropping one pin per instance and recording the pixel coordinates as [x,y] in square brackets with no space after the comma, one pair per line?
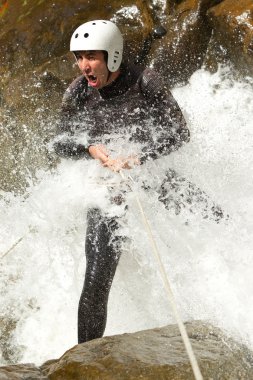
[122,83]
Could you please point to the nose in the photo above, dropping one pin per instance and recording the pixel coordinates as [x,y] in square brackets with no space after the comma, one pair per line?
[84,65]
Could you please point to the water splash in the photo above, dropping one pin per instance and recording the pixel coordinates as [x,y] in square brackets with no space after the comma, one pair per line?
[209,264]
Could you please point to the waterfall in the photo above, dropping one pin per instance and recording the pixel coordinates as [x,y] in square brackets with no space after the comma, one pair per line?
[209,263]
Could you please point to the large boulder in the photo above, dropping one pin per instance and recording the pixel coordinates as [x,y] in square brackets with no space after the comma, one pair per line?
[152,354]
[232,41]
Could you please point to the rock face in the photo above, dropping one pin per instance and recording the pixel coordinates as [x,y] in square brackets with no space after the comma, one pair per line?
[181,52]
[152,354]
[232,23]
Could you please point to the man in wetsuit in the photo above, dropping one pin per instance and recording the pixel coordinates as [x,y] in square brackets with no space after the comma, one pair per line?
[112,99]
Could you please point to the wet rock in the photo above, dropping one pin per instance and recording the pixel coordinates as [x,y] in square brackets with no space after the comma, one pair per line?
[33,33]
[7,327]
[152,354]
[23,148]
[232,41]
[182,51]
[22,372]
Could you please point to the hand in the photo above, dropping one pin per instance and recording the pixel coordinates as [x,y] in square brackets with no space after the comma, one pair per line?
[121,163]
[99,152]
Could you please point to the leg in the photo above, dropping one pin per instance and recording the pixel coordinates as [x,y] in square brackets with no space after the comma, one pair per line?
[102,256]
[177,193]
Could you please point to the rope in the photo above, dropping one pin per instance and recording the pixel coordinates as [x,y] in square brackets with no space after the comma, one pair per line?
[182,329]
[31,229]
[12,247]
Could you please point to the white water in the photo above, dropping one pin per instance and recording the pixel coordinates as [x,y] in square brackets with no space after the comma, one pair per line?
[209,265]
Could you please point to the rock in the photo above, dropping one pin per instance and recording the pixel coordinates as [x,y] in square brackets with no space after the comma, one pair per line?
[152,354]
[232,41]
[32,34]
[155,354]
[7,327]
[22,372]
[182,51]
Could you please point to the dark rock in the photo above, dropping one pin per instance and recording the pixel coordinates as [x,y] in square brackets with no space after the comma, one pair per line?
[34,33]
[152,354]
[182,51]
[232,41]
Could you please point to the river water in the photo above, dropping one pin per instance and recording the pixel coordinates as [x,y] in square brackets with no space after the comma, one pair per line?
[209,265]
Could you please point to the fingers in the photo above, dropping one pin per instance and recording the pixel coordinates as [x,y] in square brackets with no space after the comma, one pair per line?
[114,165]
[117,164]
[103,149]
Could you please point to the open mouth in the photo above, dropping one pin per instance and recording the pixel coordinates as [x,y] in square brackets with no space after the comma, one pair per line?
[92,78]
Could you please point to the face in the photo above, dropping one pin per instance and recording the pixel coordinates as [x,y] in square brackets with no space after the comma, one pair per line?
[93,66]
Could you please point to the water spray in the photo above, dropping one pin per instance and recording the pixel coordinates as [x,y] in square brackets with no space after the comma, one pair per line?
[157,33]
[171,298]
[14,245]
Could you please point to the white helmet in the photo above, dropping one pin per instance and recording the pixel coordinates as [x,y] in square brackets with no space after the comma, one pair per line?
[99,35]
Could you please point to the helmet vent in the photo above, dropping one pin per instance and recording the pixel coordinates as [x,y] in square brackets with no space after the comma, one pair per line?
[76,35]
[93,23]
[86,35]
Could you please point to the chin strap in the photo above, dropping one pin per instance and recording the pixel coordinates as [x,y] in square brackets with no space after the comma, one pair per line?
[108,76]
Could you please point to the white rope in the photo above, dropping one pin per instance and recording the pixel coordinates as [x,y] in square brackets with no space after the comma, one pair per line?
[182,329]
[31,229]
[12,247]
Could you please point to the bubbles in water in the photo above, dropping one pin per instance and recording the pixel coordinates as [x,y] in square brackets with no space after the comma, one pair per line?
[208,264]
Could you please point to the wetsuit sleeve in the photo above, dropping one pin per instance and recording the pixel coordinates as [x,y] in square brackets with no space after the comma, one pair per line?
[66,144]
[169,126]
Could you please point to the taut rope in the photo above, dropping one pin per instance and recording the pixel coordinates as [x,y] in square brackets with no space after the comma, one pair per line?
[182,329]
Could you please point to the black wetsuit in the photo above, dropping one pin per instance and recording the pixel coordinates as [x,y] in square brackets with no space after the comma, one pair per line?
[138,105]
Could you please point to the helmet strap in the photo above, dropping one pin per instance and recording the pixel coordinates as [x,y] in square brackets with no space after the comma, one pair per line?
[108,76]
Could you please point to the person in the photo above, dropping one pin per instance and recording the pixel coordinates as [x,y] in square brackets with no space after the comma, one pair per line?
[110,99]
